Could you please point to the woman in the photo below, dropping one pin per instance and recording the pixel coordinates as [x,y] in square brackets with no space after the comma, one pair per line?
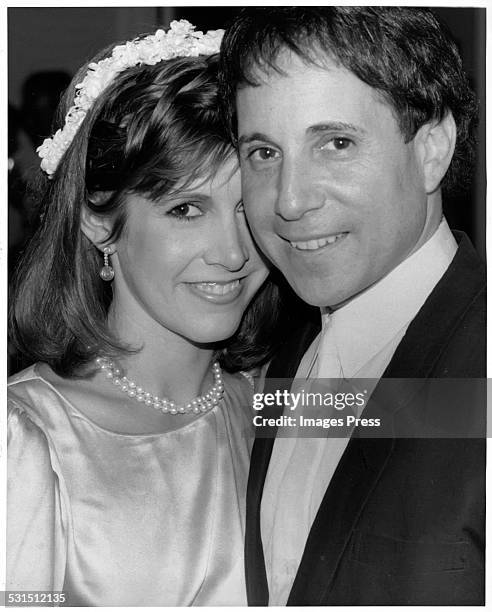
[128,444]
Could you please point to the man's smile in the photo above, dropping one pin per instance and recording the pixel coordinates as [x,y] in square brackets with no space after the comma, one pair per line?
[314,244]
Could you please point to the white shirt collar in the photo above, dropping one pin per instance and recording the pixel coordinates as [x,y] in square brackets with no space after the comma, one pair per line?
[366,324]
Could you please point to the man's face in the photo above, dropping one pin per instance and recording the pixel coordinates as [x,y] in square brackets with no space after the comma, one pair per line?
[334,196]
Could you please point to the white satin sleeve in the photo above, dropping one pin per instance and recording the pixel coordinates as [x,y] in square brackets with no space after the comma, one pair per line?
[36,529]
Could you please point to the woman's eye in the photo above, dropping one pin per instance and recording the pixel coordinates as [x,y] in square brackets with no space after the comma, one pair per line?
[185,211]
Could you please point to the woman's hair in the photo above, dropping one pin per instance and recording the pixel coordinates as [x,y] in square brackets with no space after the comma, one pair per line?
[154,129]
[403,53]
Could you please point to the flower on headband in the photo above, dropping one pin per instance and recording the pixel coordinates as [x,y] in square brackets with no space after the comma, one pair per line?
[181,40]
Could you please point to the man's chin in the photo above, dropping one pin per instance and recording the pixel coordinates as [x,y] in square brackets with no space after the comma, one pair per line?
[324,293]
[315,296]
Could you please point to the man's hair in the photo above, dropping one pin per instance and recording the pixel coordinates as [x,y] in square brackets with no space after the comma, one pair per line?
[405,54]
[155,129]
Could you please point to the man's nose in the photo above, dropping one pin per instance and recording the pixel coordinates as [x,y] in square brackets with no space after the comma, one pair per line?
[296,192]
[229,245]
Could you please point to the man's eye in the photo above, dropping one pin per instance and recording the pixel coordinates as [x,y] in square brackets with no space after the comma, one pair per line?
[185,211]
[337,144]
[263,154]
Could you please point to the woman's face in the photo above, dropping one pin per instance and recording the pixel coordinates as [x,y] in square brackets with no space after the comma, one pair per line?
[186,265]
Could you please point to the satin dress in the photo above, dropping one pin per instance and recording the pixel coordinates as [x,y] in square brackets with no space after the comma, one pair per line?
[120,519]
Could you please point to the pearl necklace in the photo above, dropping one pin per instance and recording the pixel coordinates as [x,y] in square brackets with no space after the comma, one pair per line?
[202,403]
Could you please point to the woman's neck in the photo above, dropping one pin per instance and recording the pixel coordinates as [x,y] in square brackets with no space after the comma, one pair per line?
[167,364]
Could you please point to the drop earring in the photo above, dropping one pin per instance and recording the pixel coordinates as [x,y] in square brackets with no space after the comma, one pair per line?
[107,272]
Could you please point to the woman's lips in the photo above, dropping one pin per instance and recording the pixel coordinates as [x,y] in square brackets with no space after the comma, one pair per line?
[220,292]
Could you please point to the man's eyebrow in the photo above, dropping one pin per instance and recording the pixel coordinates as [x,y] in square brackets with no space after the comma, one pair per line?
[252,137]
[327,126]
[335,126]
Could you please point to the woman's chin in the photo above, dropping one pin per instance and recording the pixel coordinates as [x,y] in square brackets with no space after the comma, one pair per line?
[210,333]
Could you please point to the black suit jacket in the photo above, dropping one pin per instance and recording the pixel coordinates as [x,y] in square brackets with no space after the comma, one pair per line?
[402,521]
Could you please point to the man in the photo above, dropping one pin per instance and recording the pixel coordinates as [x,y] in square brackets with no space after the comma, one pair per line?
[349,122]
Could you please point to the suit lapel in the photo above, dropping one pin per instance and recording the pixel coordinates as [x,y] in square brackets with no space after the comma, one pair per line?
[428,334]
[364,459]
[355,477]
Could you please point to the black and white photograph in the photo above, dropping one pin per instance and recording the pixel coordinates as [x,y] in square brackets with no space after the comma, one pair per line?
[246,306]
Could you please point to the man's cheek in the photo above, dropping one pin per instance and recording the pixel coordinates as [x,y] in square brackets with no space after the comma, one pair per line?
[258,198]
[259,221]
[254,204]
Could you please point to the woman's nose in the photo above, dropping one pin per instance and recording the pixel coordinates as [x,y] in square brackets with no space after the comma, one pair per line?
[230,245]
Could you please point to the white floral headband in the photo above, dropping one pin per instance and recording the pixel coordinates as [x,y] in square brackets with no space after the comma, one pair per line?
[180,40]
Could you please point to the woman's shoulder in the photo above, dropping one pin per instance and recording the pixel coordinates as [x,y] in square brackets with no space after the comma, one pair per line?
[27,433]
[30,393]
[23,385]
[23,377]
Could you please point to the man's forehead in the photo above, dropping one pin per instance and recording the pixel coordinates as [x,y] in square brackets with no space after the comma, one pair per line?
[304,86]
[306,102]
[261,71]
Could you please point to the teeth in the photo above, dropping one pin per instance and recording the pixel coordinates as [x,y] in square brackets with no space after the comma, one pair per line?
[217,288]
[312,245]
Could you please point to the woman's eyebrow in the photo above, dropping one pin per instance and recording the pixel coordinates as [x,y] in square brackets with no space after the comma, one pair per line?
[191,194]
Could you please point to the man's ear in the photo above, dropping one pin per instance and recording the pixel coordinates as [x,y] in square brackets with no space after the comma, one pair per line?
[436,142]
[97,228]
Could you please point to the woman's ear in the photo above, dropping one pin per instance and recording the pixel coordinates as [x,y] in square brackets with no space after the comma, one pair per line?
[437,142]
[97,228]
